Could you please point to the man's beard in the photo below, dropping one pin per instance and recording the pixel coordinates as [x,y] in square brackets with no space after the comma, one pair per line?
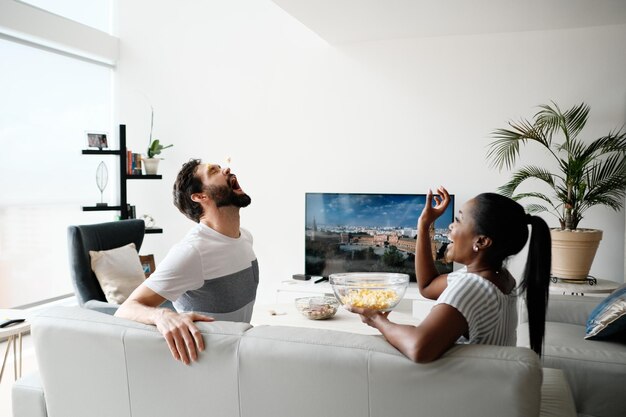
[224,196]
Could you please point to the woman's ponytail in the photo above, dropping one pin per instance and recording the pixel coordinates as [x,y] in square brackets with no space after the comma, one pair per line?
[536,280]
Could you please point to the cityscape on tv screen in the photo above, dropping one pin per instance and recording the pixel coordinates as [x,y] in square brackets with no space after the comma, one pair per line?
[369,233]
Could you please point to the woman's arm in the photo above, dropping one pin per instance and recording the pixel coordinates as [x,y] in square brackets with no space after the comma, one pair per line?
[425,342]
[431,283]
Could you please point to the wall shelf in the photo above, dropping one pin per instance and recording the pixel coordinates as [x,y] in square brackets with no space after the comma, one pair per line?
[100,152]
[124,176]
[101,208]
[144,177]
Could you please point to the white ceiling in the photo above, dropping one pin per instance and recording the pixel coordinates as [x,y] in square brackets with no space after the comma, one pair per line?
[343,21]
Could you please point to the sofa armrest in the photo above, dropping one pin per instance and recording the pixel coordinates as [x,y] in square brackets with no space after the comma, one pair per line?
[101,307]
[571,309]
[28,397]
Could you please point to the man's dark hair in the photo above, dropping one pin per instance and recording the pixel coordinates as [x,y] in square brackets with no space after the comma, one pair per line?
[186,184]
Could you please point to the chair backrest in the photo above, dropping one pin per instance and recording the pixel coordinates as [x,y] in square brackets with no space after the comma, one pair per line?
[96,237]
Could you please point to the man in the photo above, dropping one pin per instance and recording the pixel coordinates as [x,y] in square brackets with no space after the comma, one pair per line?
[213,270]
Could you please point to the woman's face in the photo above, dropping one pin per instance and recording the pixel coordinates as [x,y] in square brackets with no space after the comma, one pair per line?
[462,236]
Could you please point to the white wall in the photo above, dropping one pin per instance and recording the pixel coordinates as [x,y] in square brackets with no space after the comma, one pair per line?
[244,79]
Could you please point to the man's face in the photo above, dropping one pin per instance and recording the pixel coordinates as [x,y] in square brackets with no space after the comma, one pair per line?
[223,188]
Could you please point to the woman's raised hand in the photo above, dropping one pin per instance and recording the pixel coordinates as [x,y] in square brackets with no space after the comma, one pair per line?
[430,212]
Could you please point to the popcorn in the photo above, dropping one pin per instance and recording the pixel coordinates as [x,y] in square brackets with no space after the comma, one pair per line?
[376,299]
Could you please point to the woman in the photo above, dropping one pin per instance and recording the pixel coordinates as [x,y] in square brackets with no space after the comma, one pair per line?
[478,303]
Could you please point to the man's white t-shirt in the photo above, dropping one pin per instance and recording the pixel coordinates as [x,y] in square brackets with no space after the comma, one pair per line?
[210,273]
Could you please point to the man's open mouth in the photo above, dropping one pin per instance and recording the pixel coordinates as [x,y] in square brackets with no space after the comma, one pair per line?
[234,184]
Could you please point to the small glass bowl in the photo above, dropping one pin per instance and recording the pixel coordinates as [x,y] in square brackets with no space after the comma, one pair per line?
[380,291]
[317,308]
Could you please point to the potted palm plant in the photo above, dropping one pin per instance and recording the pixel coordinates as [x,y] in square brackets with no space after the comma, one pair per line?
[155,147]
[588,173]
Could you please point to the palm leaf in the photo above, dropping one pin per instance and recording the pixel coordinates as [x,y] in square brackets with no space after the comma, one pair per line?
[539,196]
[550,118]
[524,174]
[505,149]
[576,119]
[536,208]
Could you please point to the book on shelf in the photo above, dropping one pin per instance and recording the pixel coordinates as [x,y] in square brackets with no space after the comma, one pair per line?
[133,163]
[132,214]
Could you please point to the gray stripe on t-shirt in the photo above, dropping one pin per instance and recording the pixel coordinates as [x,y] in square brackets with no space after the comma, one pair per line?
[222,295]
[244,314]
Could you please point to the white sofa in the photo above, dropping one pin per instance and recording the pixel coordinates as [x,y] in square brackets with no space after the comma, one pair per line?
[93,364]
[595,370]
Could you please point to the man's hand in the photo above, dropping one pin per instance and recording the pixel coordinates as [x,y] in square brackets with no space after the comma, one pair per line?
[182,336]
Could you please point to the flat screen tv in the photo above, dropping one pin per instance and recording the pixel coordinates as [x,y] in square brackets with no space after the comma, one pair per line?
[348,232]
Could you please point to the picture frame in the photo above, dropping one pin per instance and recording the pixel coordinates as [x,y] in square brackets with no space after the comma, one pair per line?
[147,264]
[97,140]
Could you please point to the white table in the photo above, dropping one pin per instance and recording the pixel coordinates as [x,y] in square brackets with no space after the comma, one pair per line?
[13,333]
[601,288]
[343,320]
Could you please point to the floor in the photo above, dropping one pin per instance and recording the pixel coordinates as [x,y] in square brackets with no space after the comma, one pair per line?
[29,365]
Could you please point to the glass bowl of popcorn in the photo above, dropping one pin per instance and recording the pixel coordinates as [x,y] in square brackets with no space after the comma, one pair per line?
[380,291]
[317,308]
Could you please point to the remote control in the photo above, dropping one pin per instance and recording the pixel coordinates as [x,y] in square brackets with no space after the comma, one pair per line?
[7,323]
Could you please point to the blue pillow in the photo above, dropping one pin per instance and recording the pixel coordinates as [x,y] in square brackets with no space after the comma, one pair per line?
[608,319]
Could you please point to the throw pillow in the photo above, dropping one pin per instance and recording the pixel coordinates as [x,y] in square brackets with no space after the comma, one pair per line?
[608,319]
[118,271]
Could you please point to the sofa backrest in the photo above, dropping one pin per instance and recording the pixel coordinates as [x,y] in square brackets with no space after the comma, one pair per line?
[572,309]
[98,365]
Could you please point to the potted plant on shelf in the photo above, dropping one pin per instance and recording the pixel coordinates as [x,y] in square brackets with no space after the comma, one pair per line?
[151,163]
[587,174]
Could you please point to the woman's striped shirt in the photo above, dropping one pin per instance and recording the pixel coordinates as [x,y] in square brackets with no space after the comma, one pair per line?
[491,315]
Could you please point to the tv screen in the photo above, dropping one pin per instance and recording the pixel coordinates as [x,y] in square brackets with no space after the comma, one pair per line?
[369,233]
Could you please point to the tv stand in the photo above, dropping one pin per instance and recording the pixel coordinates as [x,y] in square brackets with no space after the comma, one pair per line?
[288,290]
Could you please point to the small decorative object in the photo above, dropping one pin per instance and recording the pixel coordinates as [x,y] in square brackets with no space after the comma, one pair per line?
[151,163]
[588,174]
[148,220]
[97,140]
[317,308]
[147,264]
[102,179]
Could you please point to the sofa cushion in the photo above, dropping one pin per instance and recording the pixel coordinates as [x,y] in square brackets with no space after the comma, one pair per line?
[556,397]
[595,370]
[608,319]
[118,271]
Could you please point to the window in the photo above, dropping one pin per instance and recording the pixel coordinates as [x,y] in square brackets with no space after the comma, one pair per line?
[48,103]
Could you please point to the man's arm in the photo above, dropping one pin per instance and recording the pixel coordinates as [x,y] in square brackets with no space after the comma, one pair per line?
[182,336]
